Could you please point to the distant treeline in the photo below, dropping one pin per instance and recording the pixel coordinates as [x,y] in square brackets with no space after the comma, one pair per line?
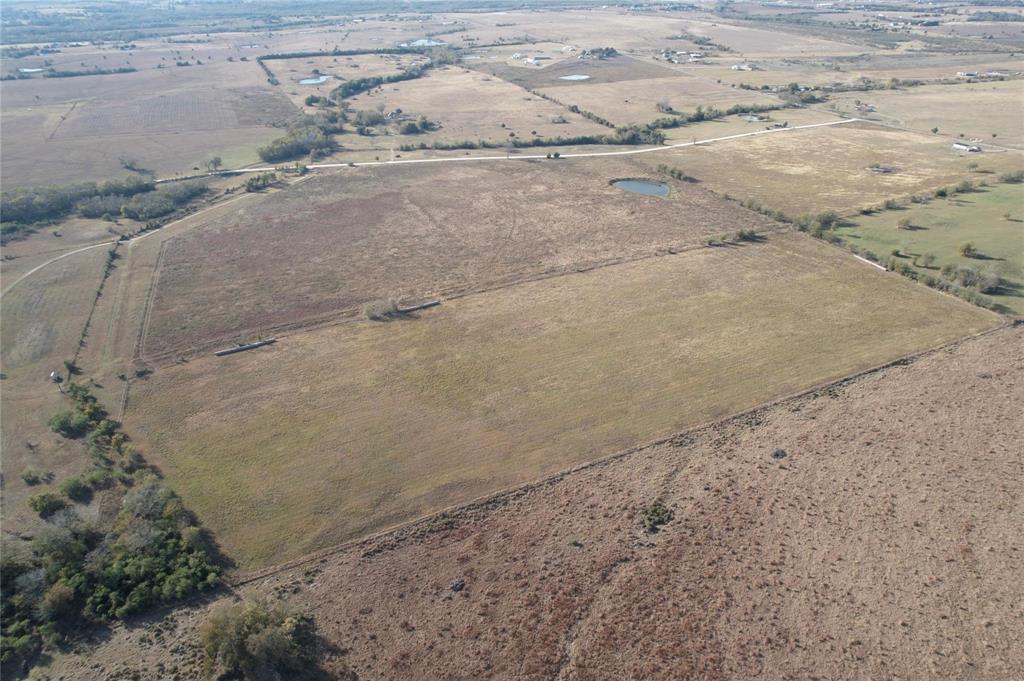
[90,72]
[133,197]
[438,57]
[710,114]
[628,135]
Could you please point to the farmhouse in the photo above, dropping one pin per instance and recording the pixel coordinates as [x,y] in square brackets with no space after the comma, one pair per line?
[964,146]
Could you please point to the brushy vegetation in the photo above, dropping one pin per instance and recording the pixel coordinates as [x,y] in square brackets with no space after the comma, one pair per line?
[77,572]
[676,173]
[381,310]
[308,134]
[655,516]
[133,197]
[259,642]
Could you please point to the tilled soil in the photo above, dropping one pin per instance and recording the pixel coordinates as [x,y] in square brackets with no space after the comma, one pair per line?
[885,544]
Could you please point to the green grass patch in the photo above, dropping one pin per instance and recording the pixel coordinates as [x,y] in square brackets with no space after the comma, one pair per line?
[991,219]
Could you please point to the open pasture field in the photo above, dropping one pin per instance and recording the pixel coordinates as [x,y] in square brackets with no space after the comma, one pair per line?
[750,42]
[611,70]
[815,564]
[810,171]
[367,424]
[635,101]
[42,322]
[338,241]
[953,109]
[468,106]
[941,226]
[64,130]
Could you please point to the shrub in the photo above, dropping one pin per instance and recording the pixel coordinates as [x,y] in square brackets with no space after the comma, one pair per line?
[1013,177]
[828,219]
[257,641]
[746,235]
[380,310]
[927,260]
[33,477]
[46,503]
[76,490]
[655,515]
[903,223]
[69,423]
[967,250]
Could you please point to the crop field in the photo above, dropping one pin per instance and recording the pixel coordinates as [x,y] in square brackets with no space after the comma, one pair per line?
[953,109]
[467,106]
[367,424]
[338,241]
[941,226]
[635,101]
[831,166]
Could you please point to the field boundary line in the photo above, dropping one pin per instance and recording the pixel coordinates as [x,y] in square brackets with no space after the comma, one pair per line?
[418,527]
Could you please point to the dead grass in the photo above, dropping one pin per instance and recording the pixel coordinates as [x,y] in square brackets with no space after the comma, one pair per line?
[339,241]
[810,171]
[364,425]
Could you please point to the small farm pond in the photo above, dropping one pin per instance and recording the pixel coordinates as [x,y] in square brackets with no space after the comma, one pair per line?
[574,76]
[645,187]
[315,80]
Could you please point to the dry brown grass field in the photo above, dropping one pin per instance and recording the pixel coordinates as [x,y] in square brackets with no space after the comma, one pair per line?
[831,166]
[368,424]
[339,241]
[63,130]
[467,106]
[589,356]
[953,109]
[635,101]
[875,549]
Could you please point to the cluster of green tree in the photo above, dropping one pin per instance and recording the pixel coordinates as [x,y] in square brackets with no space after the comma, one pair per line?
[422,124]
[601,52]
[95,71]
[74,572]
[261,181]
[628,135]
[259,641]
[676,173]
[590,115]
[165,200]
[678,120]
[357,85]
[308,135]
[317,100]
[21,208]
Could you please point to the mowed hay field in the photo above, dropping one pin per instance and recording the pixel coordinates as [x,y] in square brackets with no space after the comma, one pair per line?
[334,433]
[338,241]
[819,169]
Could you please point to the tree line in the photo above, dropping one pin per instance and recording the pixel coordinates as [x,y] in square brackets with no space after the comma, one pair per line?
[76,572]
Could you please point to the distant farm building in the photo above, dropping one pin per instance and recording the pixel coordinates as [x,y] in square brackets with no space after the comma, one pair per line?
[965,146]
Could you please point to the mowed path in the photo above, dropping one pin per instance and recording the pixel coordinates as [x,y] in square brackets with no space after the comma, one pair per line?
[346,430]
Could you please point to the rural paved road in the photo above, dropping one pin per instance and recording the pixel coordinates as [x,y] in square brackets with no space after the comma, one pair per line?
[321,166]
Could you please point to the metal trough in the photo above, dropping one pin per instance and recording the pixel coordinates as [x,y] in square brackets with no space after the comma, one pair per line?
[243,348]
